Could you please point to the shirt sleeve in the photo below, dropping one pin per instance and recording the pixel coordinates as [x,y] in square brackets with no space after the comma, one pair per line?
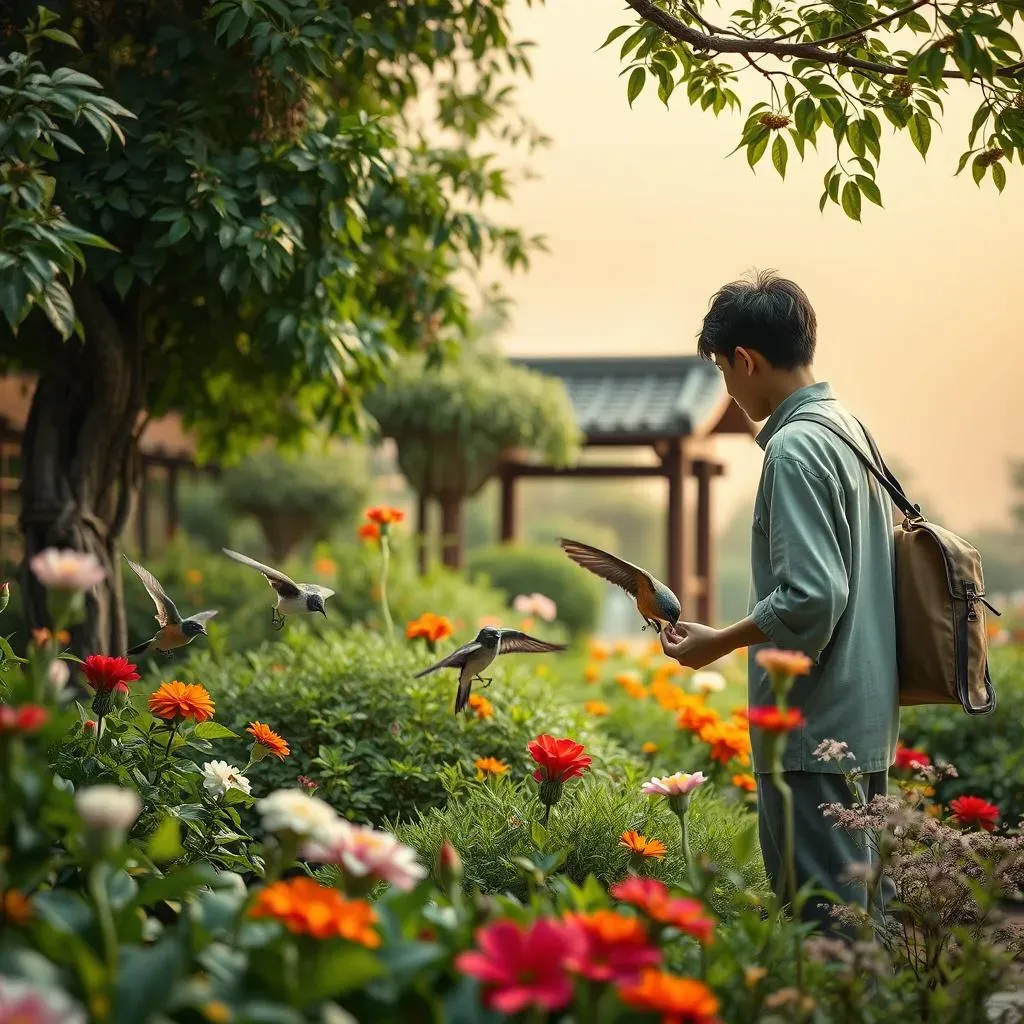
[809,545]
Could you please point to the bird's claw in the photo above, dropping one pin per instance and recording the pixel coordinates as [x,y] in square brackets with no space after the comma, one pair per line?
[486,682]
[167,655]
[277,622]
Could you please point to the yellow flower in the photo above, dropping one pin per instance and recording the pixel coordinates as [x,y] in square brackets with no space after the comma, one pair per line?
[598,708]
[650,748]
[489,766]
[481,705]
[217,1012]
[592,673]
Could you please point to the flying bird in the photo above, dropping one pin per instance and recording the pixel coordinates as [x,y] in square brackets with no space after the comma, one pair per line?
[173,631]
[292,598]
[654,601]
[471,659]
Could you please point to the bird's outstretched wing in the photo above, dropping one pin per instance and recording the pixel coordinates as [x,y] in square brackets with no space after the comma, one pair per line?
[514,641]
[166,612]
[284,585]
[454,660]
[609,567]
[202,617]
[324,592]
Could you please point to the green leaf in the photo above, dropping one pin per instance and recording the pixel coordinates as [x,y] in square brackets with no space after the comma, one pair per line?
[805,116]
[165,843]
[964,157]
[123,277]
[756,148]
[539,835]
[780,154]
[851,200]
[637,78]
[613,35]
[921,133]
[176,884]
[179,229]
[61,37]
[855,136]
[211,730]
[146,980]
[935,64]
[999,176]
[59,309]
[869,189]
[331,972]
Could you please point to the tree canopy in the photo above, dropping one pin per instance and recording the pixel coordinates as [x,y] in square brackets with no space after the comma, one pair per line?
[834,73]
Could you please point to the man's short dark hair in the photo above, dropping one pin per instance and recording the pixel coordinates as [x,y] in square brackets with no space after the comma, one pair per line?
[769,315]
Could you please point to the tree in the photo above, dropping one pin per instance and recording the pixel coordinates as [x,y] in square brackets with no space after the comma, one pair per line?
[836,70]
[277,227]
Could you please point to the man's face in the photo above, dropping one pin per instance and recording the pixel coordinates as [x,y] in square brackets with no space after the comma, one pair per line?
[744,380]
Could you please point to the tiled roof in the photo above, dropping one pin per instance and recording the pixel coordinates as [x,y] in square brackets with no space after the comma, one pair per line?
[642,395]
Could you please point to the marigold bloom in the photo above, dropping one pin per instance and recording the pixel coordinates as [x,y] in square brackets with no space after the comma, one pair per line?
[631,685]
[771,719]
[679,1000]
[597,708]
[650,748]
[27,718]
[103,673]
[15,907]
[384,515]
[642,846]
[489,766]
[625,678]
[523,965]
[558,759]
[481,705]
[974,810]
[784,663]
[695,714]
[668,695]
[745,782]
[181,700]
[193,577]
[41,637]
[307,908]
[429,627]
[592,673]
[598,650]
[615,947]
[907,757]
[679,784]
[325,566]
[369,531]
[727,740]
[265,737]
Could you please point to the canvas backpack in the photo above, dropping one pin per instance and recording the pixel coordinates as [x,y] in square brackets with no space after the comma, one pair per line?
[941,630]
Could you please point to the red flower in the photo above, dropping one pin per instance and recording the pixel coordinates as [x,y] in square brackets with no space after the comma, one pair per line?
[771,719]
[613,948]
[523,966]
[689,917]
[908,757]
[25,719]
[652,898]
[643,893]
[558,759]
[103,673]
[973,810]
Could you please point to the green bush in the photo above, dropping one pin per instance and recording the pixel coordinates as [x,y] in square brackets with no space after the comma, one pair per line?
[988,750]
[521,569]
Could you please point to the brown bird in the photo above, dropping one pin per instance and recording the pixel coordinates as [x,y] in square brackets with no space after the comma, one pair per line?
[654,601]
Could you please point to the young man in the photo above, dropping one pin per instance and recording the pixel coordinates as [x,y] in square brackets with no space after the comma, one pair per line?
[823,580]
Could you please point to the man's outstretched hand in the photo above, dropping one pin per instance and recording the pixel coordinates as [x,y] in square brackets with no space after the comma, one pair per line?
[693,644]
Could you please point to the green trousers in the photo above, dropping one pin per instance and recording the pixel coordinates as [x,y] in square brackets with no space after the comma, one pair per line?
[823,852]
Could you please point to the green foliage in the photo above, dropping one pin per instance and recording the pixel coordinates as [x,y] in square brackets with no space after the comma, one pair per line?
[519,569]
[296,498]
[453,424]
[832,74]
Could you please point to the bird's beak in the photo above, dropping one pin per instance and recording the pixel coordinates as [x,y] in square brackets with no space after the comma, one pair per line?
[323,612]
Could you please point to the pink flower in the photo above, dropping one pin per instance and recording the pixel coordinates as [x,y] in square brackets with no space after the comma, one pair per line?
[362,851]
[524,966]
[536,604]
[24,1003]
[680,784]
[67,570]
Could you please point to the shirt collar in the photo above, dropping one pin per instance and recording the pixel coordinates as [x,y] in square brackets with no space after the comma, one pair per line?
[819,392]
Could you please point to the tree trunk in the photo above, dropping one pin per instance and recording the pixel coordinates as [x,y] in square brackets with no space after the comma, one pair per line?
[451,531]
[80,462]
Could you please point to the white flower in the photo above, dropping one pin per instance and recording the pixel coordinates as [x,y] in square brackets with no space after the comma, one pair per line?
[364,851]
[25,1003]
[108,807]
[680,784]
[57,675]
[707,682]
[67,570]
[291,810]
[832,750]
[219,777]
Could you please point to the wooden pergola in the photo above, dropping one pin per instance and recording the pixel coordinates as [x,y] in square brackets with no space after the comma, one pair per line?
[671,404]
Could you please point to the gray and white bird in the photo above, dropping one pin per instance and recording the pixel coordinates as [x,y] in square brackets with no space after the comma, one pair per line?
[292,598]
[471,659]
[173,631]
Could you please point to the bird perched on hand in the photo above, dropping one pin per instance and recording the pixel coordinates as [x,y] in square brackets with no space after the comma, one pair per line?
[471,659]
[174,631]
[654,601]
[292,598]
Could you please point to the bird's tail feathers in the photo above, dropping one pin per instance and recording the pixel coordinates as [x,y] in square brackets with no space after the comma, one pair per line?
[462,694]
[426,671]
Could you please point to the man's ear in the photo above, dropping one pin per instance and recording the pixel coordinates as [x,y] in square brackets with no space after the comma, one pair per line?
[745,360]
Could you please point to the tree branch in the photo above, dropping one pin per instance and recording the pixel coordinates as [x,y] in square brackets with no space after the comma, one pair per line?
[651,12]
[856,31]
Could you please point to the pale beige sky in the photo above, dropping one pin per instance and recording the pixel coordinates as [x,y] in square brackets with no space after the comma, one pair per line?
[920,326]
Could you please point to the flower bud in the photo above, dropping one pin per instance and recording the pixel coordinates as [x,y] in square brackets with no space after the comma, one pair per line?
[5,594]
[108,809]
[449,865]
[120,695]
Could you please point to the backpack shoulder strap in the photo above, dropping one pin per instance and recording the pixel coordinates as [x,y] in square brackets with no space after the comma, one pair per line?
[874,462]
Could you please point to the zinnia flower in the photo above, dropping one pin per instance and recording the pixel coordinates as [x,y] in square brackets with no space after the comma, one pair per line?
[489,766]
[108,807]
[481,705]
[523,965]
[679,784]
[219,777]
[727,740]
[270,742]
[15,908]
[973,810]
[558,759]
[384,515]
[614,948]
[291,810]
[679,1000]
[745,782]
[429,627]
[369,531]
[21,1002]
[907,758]
[597,708]
[181,700]
[771,719]
[646,894]
[642,846]
[103,672]
[365,852]
[27,718]
[67,570]
[706,682]
[784,663]
[307,908]
[652,898]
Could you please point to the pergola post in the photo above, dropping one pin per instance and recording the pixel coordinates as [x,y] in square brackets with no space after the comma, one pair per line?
[421,534]
[704,470]
[509,524]
[172,500]
[142,510]
[675,540]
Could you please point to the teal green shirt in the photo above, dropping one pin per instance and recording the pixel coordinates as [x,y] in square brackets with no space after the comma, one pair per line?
[823,583]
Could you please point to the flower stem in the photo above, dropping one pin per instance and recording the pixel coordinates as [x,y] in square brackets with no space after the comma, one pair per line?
[789,856]
[170,740]
[385,551]
[99,730]
[547,814]
[98,891]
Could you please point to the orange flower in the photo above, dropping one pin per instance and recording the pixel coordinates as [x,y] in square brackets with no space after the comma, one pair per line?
[592,673]
[642,846]
[650,748]
[488,620]
[269,740]
[489,766]
[307,908]
[325,566]
[727,740]
[15,908]
[695,714]
[193,577]
[181,700]
[597,708]
[41,637]
[429,627]
[481,705]
[679,1000]
[745,782]
[621,648]
[369,531]
[625,678]
[784,663]
[598,651]
[384,515]
[668,695]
